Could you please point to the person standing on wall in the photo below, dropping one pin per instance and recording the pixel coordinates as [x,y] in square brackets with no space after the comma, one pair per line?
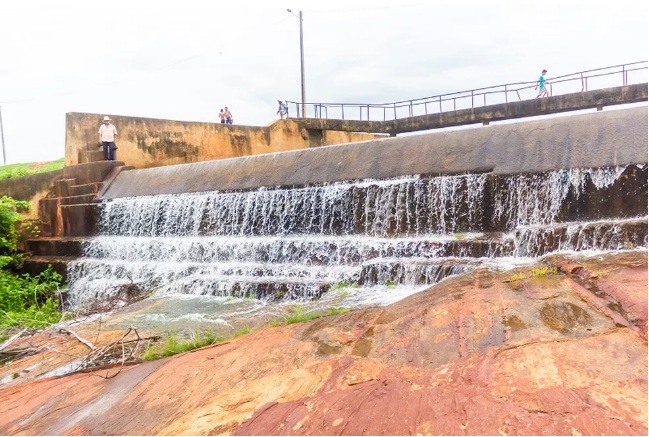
[228,116]
[543,92]
[107,133]
[283,110]
[222,116]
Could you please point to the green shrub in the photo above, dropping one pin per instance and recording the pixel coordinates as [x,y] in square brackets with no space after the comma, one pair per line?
[25,300]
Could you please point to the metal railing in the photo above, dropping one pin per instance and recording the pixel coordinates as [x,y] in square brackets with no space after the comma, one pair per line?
[478,97]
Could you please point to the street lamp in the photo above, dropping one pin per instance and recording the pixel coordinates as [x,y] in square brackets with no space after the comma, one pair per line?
[301,62]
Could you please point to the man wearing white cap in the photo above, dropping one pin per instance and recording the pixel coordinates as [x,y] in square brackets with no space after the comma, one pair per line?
[107,134]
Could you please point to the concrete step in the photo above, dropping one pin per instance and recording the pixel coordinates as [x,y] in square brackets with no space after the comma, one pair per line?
[37,264]
[79,220]
[90,171]
[91,188]
[86,156]
[77,200]
[55,246]
[62,187]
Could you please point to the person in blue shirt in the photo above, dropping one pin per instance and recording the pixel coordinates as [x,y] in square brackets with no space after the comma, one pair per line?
[283,110]
[543,92]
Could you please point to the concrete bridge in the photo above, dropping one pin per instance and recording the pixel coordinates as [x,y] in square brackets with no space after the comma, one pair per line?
[486,114]
[596,89]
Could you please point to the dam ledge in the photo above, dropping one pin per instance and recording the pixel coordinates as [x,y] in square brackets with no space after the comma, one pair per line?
[602,139]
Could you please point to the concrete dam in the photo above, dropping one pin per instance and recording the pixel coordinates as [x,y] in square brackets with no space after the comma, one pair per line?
[381,219]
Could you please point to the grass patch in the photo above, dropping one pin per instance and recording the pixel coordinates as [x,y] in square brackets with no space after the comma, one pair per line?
[173,345]
[29,168]
[460,236]
[518,276]
[343,284]
[543,271]
[241,331]
[297,314]
[335,311]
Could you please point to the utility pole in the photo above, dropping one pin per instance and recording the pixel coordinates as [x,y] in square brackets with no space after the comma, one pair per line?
[301,62]
[2,138]
[302,68]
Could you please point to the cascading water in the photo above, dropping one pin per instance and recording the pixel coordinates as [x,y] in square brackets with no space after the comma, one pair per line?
[297,243]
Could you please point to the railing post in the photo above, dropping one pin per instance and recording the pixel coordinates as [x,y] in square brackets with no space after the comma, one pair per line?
[342,111]
[368,112]
[485,98]
[395,110]
[582,82]
[410,107]
[519,96]
[440,104]
[426,108]
[623,77]
[506,94]
[384,115]
[360,112]
[471,99]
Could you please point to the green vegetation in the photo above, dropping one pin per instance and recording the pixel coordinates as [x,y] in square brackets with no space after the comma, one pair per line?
[517,276]
[543,271]
[241,331]
[25,169]
[534,273]
[25,301]
[335,311]
[297,314]
[460,236]
[173,345]
[343,284]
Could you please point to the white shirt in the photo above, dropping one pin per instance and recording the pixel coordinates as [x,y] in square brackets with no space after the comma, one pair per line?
[108,133]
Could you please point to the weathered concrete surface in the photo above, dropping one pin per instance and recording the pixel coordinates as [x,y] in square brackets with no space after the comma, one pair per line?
[600,139]
[30,187]
[503,111]
[149,142]
[558,354]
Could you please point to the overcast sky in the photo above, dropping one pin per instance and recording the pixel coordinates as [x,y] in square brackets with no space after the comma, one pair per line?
[185,60]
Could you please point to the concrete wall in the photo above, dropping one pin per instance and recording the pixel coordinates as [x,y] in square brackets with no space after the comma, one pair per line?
[598,139]
[30,188]
[148,142]
[27,187]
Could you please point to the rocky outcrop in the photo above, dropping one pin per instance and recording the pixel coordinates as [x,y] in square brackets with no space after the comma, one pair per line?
[534,352]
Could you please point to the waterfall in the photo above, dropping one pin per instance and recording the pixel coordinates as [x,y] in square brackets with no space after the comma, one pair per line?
[298,242]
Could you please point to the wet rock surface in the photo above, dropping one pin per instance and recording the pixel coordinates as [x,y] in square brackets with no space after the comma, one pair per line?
[558,349]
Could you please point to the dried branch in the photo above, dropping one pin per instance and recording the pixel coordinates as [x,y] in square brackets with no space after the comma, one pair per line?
[82,340]
[12,339]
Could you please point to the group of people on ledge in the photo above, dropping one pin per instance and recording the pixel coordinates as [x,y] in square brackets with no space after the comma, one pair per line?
[107,130]
[226,116]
